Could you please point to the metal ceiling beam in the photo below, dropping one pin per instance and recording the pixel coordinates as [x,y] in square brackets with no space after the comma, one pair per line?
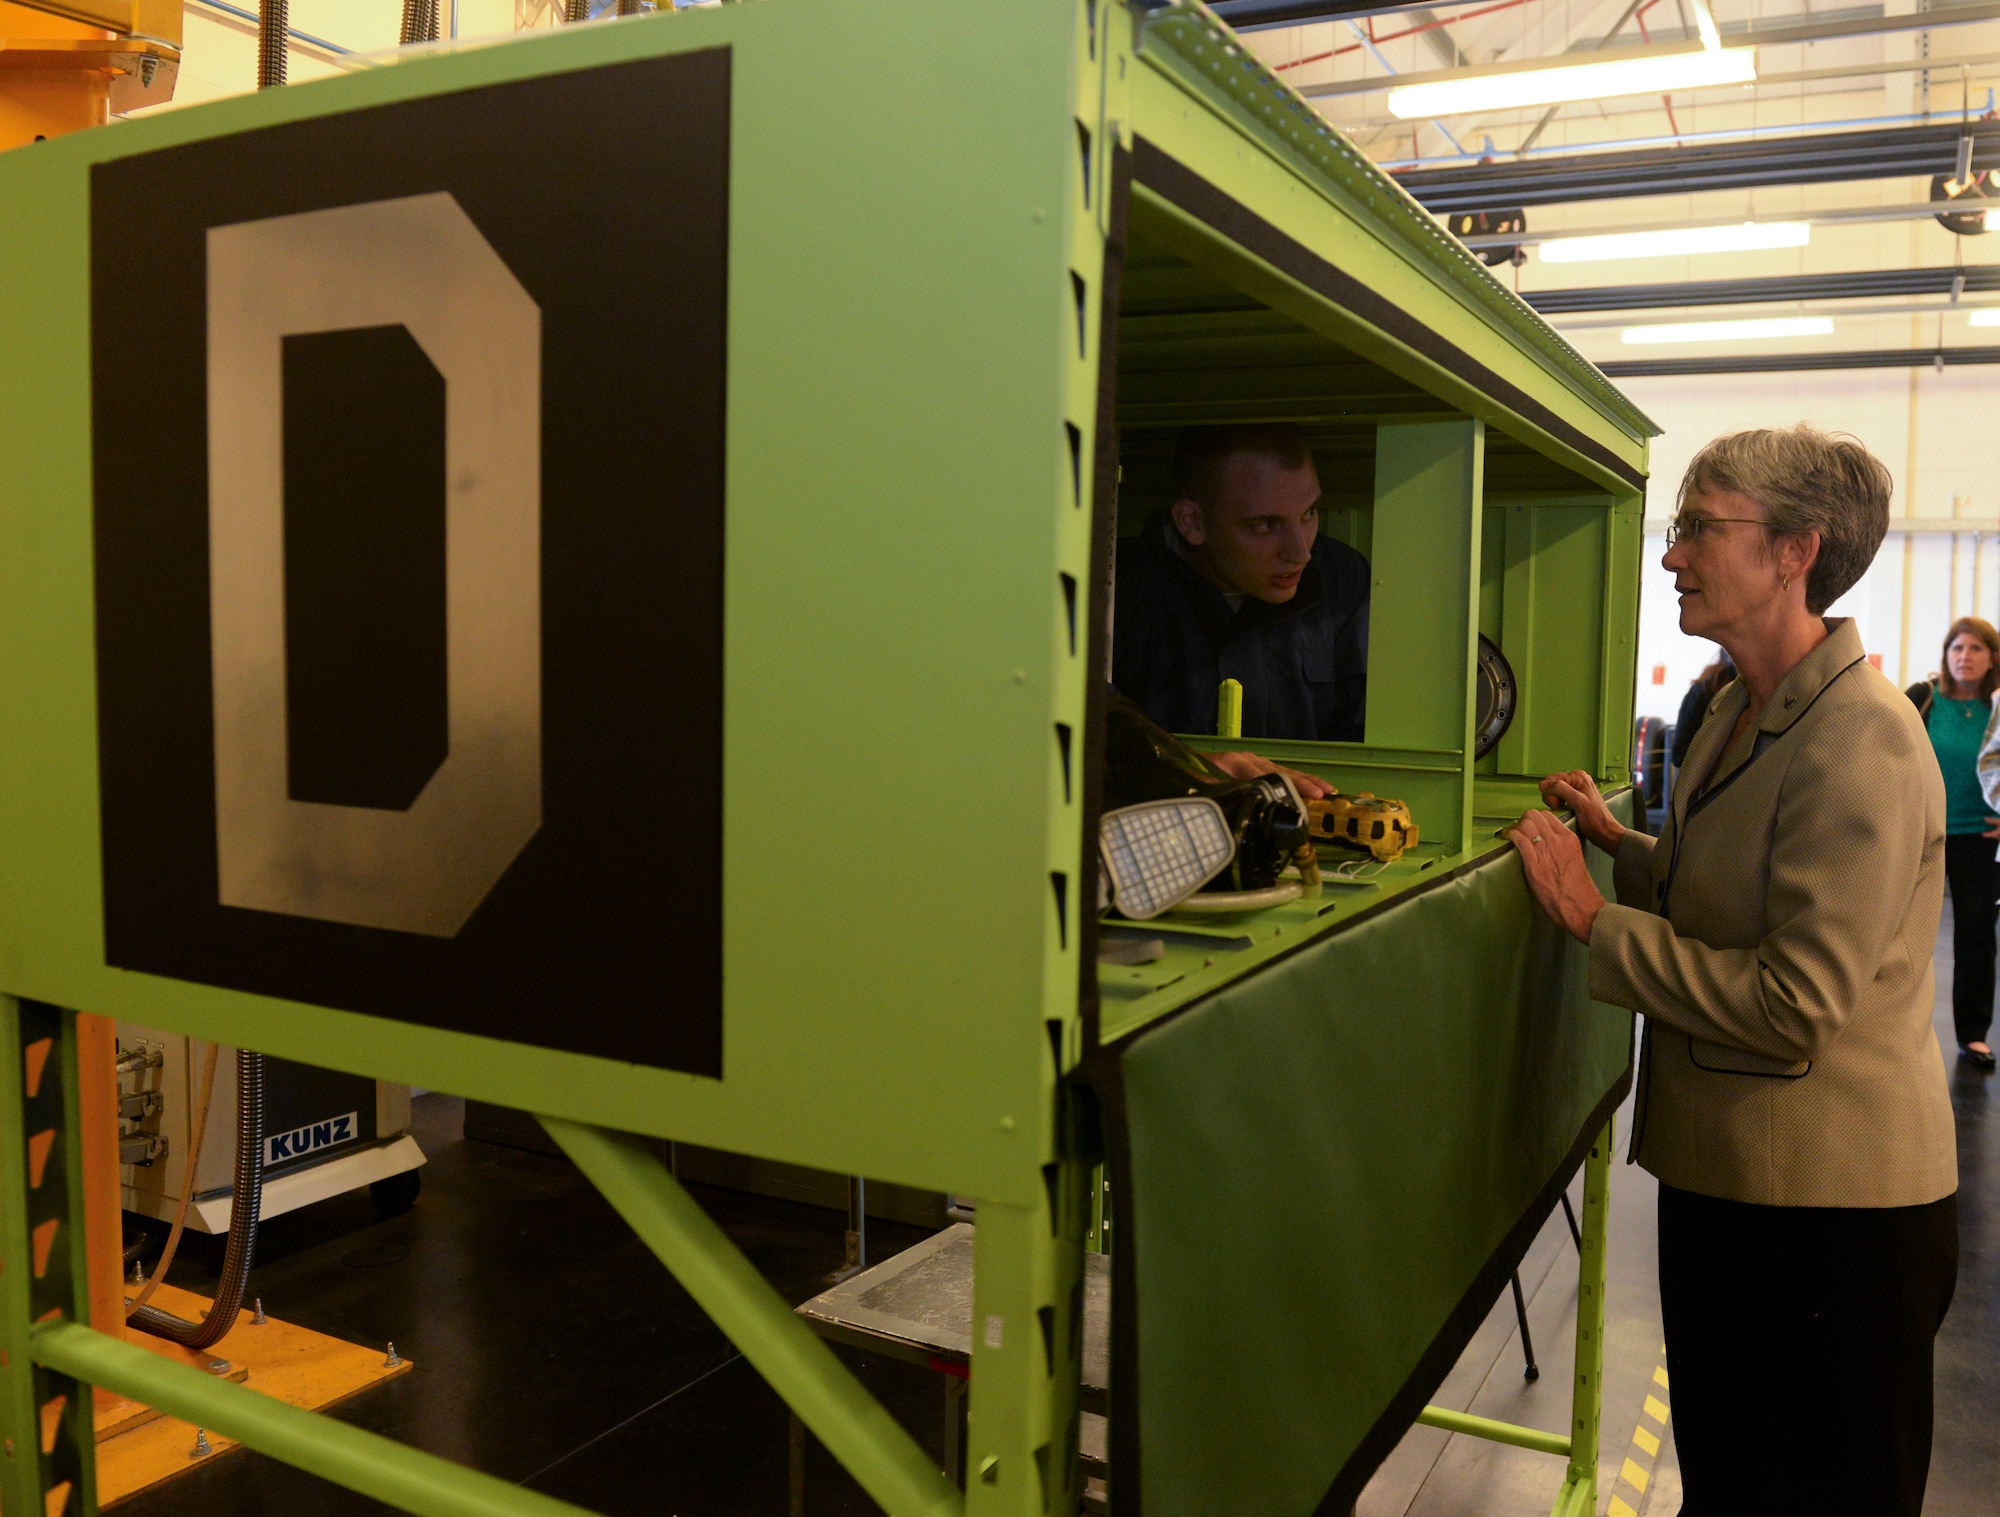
[1822,158]
[1863,284]
[1792,363]
[1256,15]
[1768,36]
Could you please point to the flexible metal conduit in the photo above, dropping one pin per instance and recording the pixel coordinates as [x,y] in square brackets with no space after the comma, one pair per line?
[244,1207]
[273,22]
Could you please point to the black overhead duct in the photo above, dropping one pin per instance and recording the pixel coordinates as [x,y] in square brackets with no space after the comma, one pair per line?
[1248,15]
[1905,153]
[1792,363]
[1862,285]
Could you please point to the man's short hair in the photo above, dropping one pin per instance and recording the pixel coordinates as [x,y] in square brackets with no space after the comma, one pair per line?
[1200,453]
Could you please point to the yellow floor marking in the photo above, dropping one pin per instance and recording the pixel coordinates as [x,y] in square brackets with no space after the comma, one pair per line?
[1646,1441]
[1620,1508]
[1660,1376]
[1633,1476]
[1657,1410]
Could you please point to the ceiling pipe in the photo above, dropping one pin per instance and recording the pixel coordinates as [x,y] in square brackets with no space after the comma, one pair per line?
[1852,215]
[1801,131]
[1261,15]
[1734,313]
[1425,27]
[247,21]
[1863,284]
[1799,158]
[1792,363]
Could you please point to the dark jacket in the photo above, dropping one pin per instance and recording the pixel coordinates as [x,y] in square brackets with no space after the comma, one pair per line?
[1694,708]
[1303,665]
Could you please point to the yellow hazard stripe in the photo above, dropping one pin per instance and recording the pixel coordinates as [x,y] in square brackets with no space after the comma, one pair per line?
[1637,1471]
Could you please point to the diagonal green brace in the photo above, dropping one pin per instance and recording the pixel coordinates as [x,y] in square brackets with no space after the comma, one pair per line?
[873,1446]
[349,1456]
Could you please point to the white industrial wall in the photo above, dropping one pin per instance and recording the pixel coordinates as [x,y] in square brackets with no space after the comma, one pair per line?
[1935,431]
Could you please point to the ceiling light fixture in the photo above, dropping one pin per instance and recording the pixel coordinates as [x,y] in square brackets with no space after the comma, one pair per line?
[1987,316]
[1674,242]
[1730,331]
[1658,74]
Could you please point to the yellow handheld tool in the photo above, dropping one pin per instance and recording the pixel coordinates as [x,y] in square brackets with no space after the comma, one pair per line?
[1383,828]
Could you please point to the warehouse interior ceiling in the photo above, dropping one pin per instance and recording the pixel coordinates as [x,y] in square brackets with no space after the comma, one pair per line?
[1856,111]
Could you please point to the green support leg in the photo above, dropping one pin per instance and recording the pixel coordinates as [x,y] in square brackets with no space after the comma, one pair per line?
[1579,1493]
[1027,1352]
[799,1366]
[42,1265]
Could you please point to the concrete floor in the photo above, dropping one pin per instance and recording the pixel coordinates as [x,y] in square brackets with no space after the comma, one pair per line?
[552,1350]
[1433,1474]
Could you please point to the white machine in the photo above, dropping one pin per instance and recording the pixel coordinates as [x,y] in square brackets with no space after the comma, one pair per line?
[325,1133]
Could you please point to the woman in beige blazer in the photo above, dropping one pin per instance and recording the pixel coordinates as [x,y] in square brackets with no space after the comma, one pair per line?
[1777,939]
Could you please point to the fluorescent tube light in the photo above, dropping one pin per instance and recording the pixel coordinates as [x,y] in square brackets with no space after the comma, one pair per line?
[1704,23]
[1751,236]
[1993,221]
[1578,81]
[1731,331]
[1987,316]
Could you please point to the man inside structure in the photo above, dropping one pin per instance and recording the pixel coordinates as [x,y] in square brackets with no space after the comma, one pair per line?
[1235,581]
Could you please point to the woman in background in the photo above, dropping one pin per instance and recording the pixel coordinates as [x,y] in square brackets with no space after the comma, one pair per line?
[1694,705]
[1957,706]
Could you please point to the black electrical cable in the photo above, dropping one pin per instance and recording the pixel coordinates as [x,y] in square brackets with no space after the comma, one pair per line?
[244,1206]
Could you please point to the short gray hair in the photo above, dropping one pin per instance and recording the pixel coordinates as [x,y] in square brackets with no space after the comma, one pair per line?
[1807,481]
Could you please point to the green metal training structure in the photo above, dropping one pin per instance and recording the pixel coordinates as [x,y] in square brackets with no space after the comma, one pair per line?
[572,572]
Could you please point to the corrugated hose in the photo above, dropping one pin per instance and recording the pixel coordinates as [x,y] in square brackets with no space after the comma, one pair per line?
[244,1206]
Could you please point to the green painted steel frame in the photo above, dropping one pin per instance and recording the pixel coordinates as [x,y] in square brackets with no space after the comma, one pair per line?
[1070,82]
[1579,1446]
[45,1414]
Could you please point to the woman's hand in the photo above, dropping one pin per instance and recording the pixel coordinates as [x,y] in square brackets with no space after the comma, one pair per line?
[1992,827]
[1577,792]
[1558,878]
[1247,766]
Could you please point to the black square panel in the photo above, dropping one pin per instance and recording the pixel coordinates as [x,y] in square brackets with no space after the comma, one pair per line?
[409,523]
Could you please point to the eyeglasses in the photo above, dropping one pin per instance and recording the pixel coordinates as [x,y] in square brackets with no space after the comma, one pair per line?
[1688,527]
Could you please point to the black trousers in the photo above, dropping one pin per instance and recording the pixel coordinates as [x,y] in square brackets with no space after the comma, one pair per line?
[1799,1353]
[1974,876]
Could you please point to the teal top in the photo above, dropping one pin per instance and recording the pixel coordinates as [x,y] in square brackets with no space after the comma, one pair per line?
[1957,729]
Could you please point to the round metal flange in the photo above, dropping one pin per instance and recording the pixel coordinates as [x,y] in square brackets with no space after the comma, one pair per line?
[1497,694]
